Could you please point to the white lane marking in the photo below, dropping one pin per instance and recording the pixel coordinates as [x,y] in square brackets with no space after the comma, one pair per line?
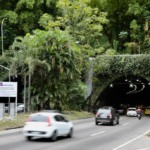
[131,140]
[125,124]
[98,133]
[145,149]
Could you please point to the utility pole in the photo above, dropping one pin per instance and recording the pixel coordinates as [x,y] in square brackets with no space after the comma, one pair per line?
[2,34]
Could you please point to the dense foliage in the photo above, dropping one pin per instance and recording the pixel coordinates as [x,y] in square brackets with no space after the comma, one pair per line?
[123,65]
[50,42]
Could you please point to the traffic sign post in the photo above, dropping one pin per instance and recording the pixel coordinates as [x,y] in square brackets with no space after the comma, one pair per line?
[9,89]
[1,111]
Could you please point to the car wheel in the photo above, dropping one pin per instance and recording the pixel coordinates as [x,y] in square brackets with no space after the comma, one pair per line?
[54,136]
[118,121]
[96,123]
[70,133]
[113,123]
[29,138]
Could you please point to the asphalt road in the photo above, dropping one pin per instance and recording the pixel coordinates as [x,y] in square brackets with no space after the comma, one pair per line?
[128,135]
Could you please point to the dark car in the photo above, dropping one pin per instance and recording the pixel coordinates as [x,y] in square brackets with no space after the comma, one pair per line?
[107,115]
[121,110]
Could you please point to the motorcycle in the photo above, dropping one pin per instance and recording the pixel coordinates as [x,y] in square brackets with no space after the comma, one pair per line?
[139,116]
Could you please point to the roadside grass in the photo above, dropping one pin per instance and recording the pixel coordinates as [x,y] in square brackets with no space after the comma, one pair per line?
[148,134]
[74,115]
[19,121]
[10,123]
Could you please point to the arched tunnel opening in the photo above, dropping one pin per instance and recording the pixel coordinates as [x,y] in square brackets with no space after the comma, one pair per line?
[130,91]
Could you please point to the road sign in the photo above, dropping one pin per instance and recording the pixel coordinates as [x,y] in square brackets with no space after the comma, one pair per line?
[8,89]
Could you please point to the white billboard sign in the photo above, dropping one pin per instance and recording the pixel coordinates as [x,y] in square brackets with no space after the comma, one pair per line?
[8,89]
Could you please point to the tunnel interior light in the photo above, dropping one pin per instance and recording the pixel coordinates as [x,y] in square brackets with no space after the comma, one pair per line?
[135,84]
[111,85]
[134,89]
[131,85]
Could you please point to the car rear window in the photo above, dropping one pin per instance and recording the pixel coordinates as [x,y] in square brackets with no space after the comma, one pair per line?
[38,118]
[104,111]
[132,109]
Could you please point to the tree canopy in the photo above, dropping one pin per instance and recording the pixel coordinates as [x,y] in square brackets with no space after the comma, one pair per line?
[51,42]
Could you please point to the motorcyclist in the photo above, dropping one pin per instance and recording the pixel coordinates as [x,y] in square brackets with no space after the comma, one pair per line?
[139,112]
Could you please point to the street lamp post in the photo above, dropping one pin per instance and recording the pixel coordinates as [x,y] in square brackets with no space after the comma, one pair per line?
[2,34]
[6,69]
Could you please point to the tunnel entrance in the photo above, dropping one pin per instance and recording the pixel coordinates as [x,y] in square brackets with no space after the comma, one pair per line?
[131,91]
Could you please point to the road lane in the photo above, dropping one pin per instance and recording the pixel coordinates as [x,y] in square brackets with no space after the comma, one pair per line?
[125,124]
[87,136]
[130,141]
[98,133]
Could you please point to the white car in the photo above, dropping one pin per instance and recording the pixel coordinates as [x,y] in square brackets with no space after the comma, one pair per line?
[47,125]
[131,112]
[20,108]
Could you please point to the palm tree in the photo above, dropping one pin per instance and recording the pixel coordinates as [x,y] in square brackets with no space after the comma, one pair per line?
[52,61]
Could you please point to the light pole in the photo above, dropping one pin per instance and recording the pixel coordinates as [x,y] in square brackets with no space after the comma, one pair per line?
[6,69]
[2,34]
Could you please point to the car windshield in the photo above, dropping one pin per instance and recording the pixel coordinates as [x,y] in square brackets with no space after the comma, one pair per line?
[38,118]
[104,111]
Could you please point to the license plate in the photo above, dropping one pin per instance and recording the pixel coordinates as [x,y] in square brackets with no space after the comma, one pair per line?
[35,133]
[103,116]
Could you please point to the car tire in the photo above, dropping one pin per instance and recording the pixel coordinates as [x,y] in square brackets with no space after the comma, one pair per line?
[54,136]
[113,123]
[96,123]
[28,138]
[118,121]
[70,133]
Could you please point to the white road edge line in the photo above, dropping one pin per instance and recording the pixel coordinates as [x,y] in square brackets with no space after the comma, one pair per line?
[145,149]
[98,133]
[125,124]
[131,141]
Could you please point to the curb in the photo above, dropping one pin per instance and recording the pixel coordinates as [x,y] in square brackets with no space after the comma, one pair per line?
[10,131]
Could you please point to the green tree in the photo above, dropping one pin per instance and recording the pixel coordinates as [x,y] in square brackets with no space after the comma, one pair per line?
[84,23]
[23,16]
[125,16]
[53,60]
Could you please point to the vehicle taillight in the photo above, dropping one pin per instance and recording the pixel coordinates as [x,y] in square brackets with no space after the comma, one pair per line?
[28,120]
[110,115]
[96,114]
[48,121]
